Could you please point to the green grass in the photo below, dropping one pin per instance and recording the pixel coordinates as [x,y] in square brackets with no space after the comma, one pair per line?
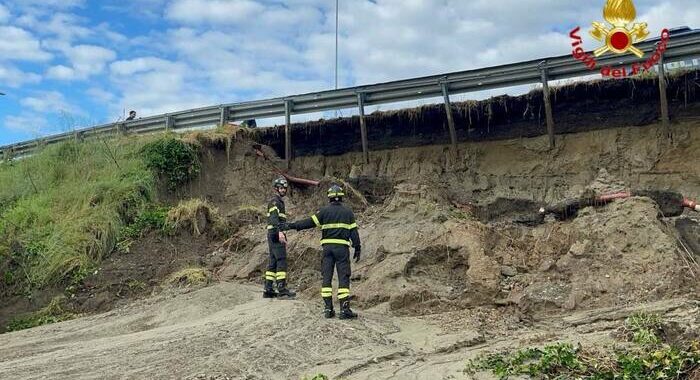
[649,357]
[65,207]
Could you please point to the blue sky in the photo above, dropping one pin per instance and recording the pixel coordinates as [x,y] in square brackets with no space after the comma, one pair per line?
[74,63]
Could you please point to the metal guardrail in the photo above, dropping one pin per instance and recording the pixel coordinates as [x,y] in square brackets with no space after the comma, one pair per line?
[683,45]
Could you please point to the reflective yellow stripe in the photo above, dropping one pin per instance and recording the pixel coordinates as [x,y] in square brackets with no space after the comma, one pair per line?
[343,290]
[280,215]
[274,208]
[315,219]
[270,275]
[270,227]
[336,194]
[326,292]
[335,241]
[343,295]
[281,275]
[339,225]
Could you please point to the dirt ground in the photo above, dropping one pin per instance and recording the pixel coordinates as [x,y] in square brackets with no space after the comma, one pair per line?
[227,331]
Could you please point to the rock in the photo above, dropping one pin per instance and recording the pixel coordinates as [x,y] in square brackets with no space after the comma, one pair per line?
[546,265]
[580,248]
[216,261]
[508,271]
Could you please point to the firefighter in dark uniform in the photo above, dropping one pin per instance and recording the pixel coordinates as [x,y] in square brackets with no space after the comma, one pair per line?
[338,230]
[277,242]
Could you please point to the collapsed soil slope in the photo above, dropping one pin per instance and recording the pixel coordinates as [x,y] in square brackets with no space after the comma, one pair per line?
[446,271]
[440,235]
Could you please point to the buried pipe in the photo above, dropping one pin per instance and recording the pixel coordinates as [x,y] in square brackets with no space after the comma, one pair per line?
[299,181]
[667,200]
[292,179]
[691,204]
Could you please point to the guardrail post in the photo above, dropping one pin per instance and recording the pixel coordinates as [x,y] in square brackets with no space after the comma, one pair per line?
[9,153]
[662,93]
[547,103]
[223,116]
[450,118]
[363,126]
[169,122]
[122,128]
[288,106]
[78,136]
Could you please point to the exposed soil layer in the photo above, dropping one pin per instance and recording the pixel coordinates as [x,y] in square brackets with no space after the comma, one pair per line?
[579,107]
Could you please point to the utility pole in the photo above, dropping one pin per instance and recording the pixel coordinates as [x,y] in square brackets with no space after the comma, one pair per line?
[336,49]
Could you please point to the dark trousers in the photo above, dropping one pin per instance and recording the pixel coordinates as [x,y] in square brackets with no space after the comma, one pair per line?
[336,256]
[277,266]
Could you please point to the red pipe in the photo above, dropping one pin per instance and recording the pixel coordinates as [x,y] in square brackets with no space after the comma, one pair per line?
[300,181]
[691,204]
[609,197]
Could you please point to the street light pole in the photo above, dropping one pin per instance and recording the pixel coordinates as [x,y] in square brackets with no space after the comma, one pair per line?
[336,44]
[336,49]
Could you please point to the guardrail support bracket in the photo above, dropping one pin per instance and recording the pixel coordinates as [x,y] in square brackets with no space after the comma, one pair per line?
[288,107]
[450,118]
[665,120]
[547,104]
[363,127]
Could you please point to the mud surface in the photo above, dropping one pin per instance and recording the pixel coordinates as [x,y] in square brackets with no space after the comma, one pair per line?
[226,331]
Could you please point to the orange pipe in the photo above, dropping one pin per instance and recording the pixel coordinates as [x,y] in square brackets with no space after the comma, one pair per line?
[609,197]
[691,204]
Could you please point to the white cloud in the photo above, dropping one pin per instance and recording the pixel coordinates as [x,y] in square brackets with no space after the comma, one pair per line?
[153,85]
[13,77]
[48,102]
[65,4]
[25,122]
[18,44]
[214,11]
[140,65]
[100,94]
[86,61]
[4,14]
[60,72]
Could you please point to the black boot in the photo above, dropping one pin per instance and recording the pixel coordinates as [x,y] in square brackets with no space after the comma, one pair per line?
[345,312]
[282,290]
[269,291]
[328,311]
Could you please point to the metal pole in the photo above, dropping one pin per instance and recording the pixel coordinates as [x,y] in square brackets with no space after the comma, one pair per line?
[663,98]
[336,44]
[547,104]
[223,116]
[336,49]
[288,132]
[169,122]
[363,126]
[450,119]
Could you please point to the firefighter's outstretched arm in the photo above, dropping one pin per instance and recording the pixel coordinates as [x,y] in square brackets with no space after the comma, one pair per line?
[305,224]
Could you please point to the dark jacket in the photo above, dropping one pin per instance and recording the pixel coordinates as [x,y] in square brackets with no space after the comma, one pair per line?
[337,224]
[275,216]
